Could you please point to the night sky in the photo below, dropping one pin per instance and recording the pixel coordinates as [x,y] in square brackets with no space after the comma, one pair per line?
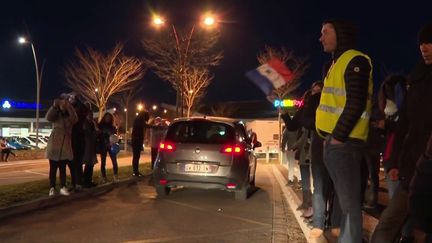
[387,34]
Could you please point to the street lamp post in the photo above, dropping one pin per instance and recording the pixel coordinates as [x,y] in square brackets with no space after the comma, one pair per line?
[126,129]
[23,40]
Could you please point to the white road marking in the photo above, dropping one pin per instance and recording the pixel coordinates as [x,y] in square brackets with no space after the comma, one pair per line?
[218,213]
[36,173]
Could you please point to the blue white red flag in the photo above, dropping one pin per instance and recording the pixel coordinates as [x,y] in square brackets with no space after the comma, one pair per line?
[272,75]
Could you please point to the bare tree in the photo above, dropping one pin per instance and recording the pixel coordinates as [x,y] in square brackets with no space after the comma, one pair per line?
[171,54]
[296,64]
[97,76]
[193,86]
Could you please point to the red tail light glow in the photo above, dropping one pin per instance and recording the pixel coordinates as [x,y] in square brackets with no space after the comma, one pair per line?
[163,181]
[231,185]
[232,149]
[166,146]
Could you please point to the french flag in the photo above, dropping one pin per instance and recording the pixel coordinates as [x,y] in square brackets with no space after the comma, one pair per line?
[270,76]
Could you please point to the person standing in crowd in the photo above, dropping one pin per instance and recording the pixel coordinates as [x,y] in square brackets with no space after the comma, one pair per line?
[78,142]
[89,157]
[138,132]
[106,130]
[391,96]
[59,149]
[290,135]
[343,118]
[157,133]
[420,195]
[302,147]
[5,149]
[321,180]
[374,147]
[412,133]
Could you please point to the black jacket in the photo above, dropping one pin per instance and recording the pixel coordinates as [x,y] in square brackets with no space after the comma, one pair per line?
[415,124]
[139,125]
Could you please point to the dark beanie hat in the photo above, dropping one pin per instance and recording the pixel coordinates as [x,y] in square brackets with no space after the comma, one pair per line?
[425,34]
[346,34]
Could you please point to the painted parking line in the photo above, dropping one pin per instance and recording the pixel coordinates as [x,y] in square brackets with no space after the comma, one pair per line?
[218,213]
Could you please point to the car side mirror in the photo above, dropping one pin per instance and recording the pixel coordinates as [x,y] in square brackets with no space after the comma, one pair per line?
[257,144]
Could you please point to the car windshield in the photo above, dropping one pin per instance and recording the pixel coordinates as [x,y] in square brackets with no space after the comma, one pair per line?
[201,132]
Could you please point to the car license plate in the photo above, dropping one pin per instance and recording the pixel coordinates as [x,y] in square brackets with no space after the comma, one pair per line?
[199,168]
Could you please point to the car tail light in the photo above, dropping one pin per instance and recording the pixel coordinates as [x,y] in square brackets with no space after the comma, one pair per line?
[232,149]
[163,181]
[231,185]
[166,146]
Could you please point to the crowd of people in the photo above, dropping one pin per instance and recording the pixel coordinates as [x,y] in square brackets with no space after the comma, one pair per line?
[77,138]
[343,134]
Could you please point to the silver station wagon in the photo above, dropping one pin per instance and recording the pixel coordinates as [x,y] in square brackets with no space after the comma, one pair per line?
[208,153]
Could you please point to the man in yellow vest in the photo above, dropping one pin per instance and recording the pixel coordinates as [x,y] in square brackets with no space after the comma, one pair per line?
[342,118]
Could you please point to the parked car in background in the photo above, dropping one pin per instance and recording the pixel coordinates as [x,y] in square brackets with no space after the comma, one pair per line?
[17,145]
[30,142]
[208,153]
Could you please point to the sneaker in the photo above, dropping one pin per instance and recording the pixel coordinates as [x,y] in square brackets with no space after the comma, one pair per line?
[308,213]
[103,180]
[316,233]
[51,192]
[115,178]
[64,191]
[78,188]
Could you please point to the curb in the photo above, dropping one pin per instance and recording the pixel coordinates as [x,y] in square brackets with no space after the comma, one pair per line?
[48,202]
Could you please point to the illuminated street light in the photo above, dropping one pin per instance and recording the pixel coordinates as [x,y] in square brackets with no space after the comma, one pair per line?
[191,91]
[140,107]
[22,40]
[136,114]
[154,107]
[165,111]
[125,109]
[114,109]
[158,21]
[209,21]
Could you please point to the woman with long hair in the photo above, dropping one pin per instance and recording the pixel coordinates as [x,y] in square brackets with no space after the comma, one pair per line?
[107,129]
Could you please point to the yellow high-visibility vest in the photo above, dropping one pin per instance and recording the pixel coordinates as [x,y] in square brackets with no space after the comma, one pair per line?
[333,98]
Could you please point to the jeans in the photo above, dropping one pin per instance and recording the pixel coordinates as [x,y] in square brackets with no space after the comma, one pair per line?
[373,163]
[321,182]
[343,163]
[137,146]
[391,184]
[291,165]
[61,165]
[88,174]
[305,176]
[392,218]
[113,160]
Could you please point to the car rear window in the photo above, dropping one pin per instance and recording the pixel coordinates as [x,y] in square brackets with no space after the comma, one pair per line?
[200,132]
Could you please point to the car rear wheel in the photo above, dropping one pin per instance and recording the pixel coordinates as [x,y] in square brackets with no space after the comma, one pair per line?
[242,194]
[162,191]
